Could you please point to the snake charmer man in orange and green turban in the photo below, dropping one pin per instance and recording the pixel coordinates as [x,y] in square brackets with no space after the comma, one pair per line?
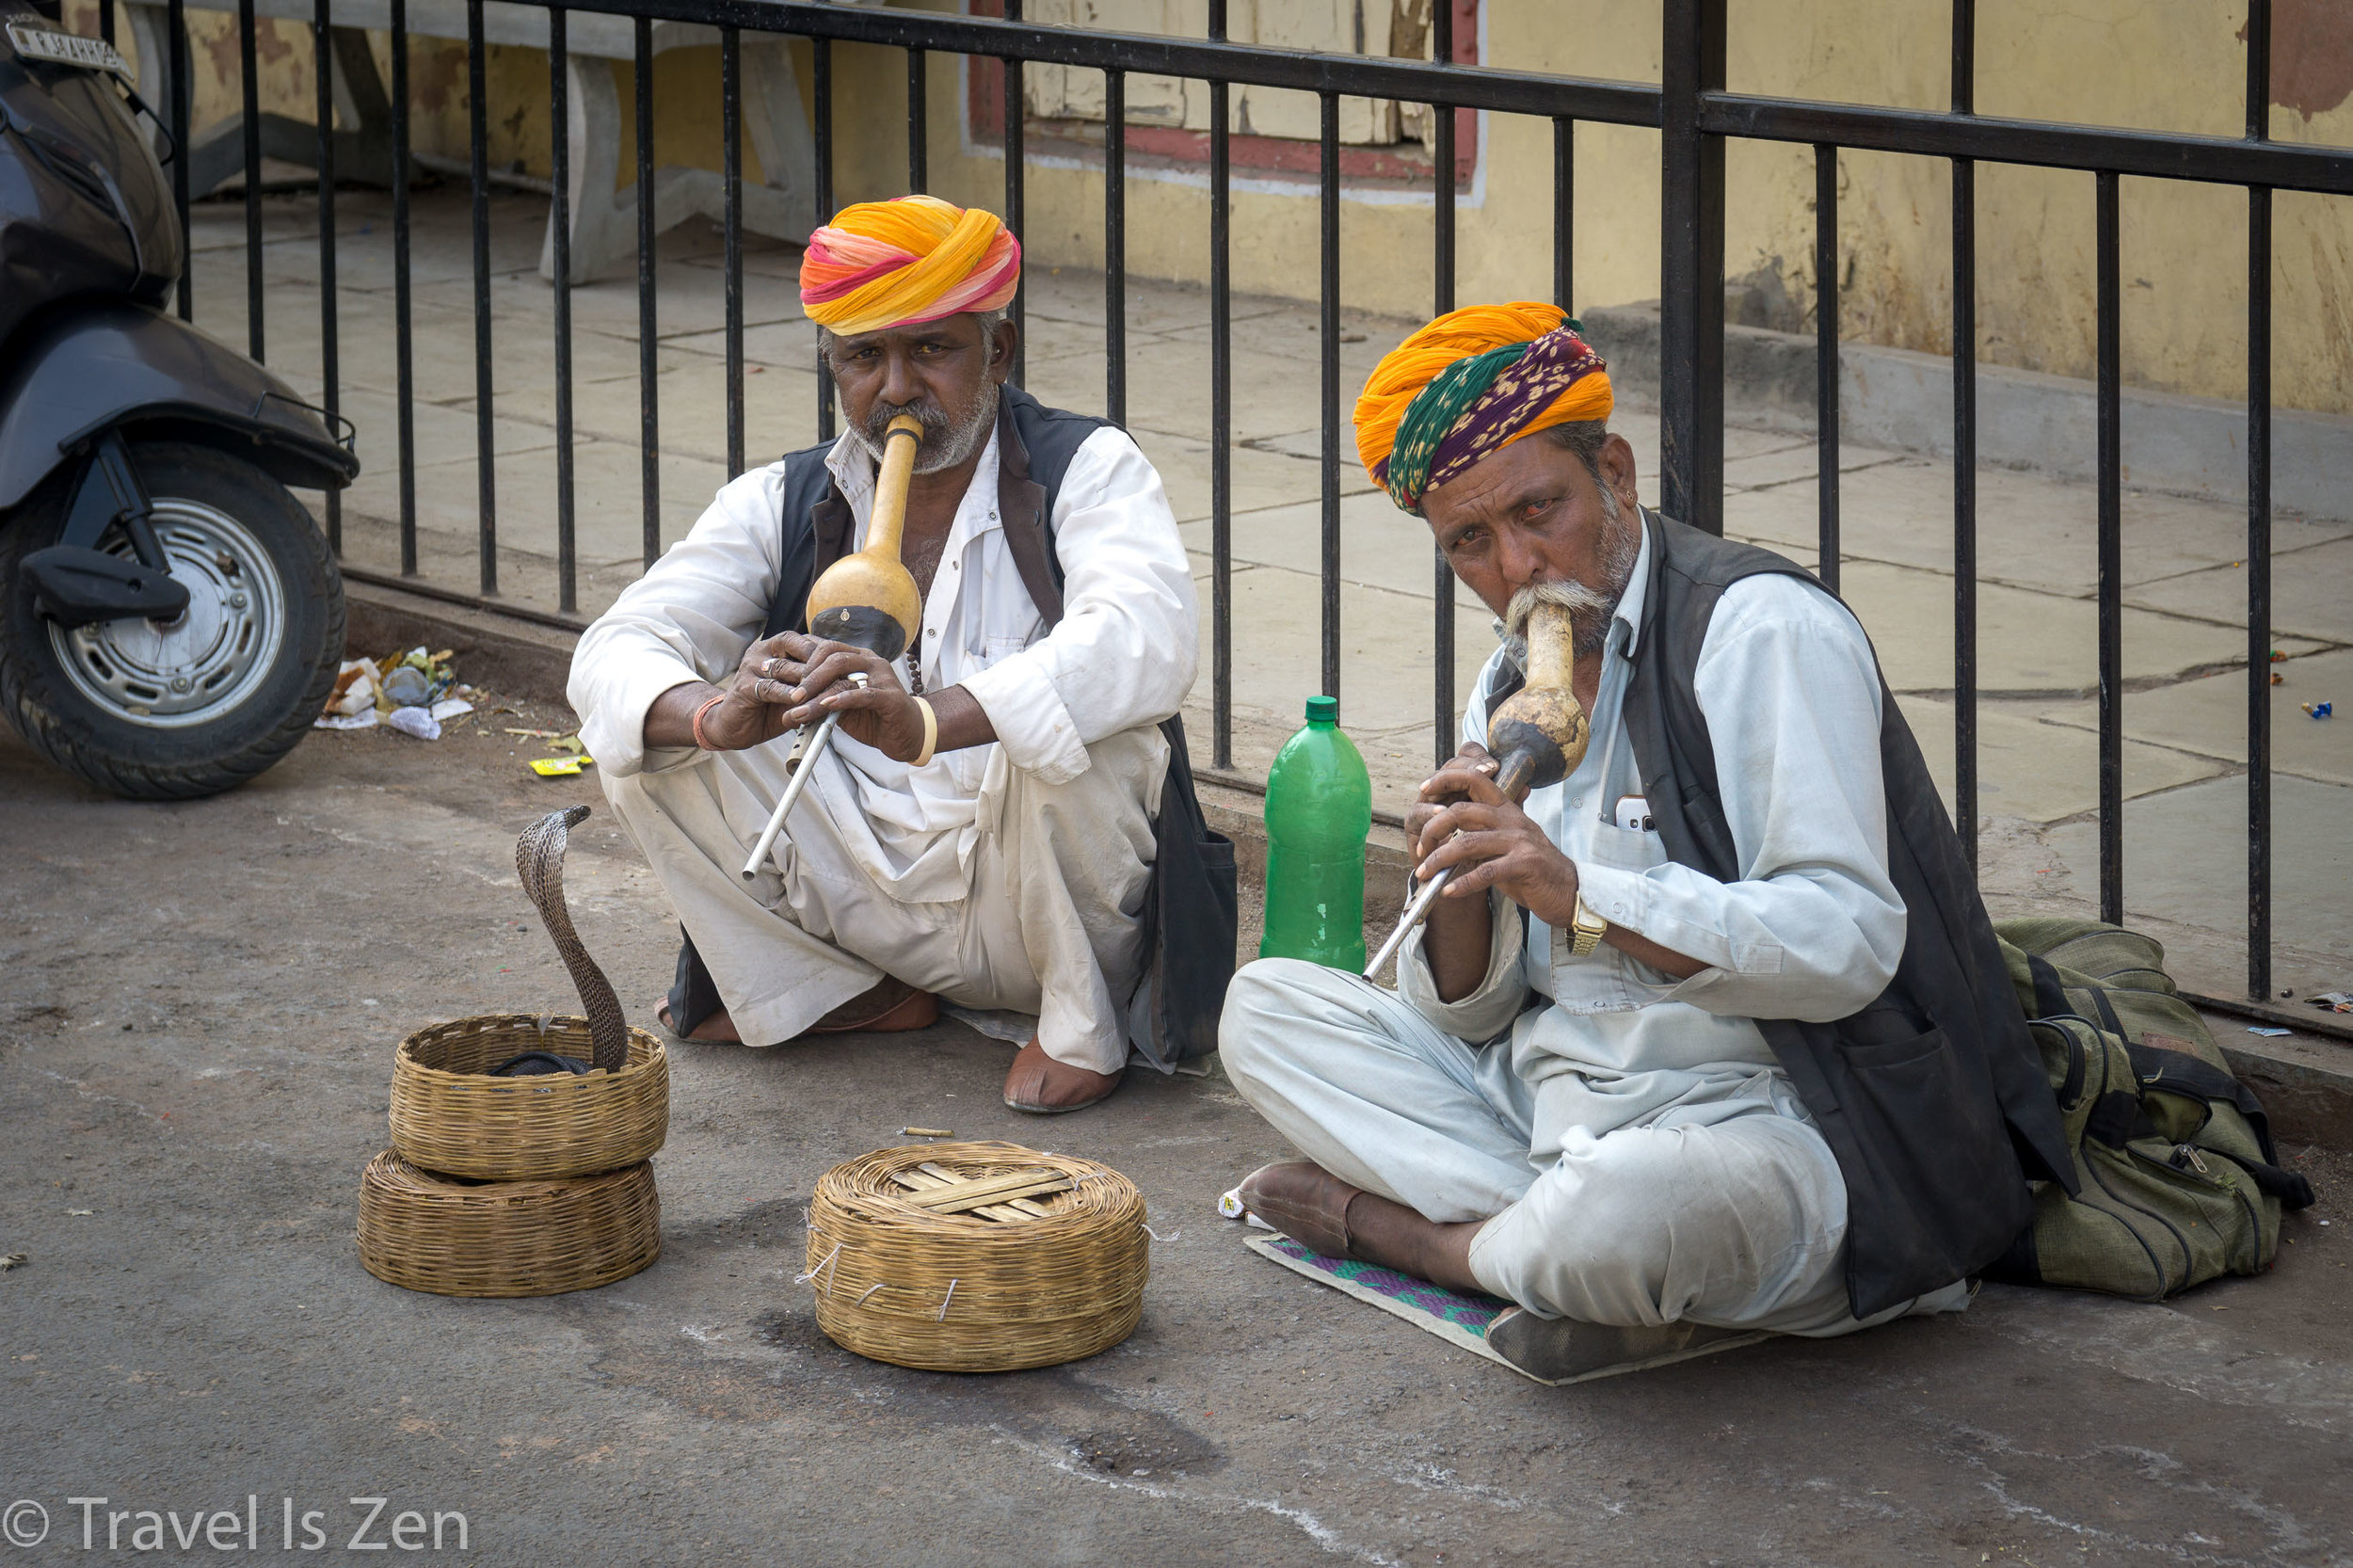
[1709,1039]
[986,828]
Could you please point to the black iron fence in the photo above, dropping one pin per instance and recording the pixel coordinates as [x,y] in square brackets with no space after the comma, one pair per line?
[1695,116]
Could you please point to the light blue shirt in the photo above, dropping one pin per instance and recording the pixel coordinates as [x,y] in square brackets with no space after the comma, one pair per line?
[1812,930]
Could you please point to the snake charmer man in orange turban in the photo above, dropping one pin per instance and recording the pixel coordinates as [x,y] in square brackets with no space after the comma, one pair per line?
[1710,1039]
[987,830]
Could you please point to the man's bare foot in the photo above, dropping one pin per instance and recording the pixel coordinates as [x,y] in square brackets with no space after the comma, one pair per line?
[1325,1214]
[1040,1084]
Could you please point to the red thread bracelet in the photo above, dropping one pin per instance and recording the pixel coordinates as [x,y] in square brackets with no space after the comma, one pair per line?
[700,740]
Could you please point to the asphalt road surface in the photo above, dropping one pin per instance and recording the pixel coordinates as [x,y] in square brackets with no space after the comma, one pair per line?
[199,1005]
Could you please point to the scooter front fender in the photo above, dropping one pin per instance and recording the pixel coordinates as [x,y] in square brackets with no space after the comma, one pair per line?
[119,366]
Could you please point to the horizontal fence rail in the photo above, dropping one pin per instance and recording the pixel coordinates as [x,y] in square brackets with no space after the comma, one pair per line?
[1691,111]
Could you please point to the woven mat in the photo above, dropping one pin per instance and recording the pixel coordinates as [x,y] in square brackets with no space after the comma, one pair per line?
[1459,1320]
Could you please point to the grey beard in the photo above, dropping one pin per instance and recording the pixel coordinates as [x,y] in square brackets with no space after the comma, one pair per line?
[1590,609]
[947,442]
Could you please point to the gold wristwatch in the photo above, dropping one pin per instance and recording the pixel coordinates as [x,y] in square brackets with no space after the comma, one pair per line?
[1586,931]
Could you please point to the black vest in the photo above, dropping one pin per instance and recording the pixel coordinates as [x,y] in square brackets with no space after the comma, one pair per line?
[1933,1098]
[1190,913]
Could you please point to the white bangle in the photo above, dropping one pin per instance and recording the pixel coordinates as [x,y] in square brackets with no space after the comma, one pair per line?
[931,733]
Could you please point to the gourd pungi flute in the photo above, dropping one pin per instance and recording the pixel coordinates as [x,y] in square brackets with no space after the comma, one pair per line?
[867,599]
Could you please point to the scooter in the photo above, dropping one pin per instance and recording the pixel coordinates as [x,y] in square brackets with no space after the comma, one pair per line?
[170,616]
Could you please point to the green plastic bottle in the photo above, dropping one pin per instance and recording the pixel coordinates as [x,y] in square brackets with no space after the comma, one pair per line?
[1318,809]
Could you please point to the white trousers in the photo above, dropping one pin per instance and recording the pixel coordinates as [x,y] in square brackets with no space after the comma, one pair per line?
[1730,1217]
[1049,923]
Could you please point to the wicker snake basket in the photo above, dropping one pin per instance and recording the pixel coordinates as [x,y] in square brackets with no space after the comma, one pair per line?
[505,1237]
[1051,1272]
[449,1114]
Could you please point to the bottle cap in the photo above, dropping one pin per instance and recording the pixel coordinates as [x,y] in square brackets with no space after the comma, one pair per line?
[1323,710]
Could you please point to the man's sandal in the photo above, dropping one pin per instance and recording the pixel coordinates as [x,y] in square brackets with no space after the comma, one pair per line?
[891,1007]
[1043,1087]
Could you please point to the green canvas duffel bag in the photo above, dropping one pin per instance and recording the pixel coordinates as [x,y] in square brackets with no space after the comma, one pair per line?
[2178,1181]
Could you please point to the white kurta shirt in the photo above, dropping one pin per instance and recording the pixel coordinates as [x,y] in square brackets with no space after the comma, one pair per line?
[1124,654]
[1813,930]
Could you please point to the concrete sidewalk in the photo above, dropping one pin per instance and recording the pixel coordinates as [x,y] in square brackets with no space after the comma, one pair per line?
[197,1026]
[2184,647]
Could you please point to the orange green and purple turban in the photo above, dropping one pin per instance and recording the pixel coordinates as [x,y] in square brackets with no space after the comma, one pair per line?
[893,264]
[1471,384]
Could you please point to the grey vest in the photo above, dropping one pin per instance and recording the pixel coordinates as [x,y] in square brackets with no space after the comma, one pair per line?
[1933,1098]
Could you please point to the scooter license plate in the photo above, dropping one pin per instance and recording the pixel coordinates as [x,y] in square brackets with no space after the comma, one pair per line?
[54,48]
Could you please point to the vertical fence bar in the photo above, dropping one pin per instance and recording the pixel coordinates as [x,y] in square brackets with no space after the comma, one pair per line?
[731,178]
[2111,556]
[1825,364]
[919,124]
[478,139]
[1965,444]
[649,341]
[330,370]
[176,74]
[1014,108]
[1330,290]
[404,347]
[249,124]
[1692,307]
[106,27]
[1221,416]
[2259,515]
[560,228]
[1115,247]
[1565,212]
[1442,300]
[821,129]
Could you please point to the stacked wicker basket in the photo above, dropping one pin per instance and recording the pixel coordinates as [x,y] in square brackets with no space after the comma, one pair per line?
[501,1185]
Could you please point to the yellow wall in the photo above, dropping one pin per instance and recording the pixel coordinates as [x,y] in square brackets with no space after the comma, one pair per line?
[2160,64]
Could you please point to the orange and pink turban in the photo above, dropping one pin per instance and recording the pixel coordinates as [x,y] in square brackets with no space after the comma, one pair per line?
[894,263]
[1471,384]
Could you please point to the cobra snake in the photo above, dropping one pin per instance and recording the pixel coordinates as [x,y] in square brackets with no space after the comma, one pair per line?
[539,862]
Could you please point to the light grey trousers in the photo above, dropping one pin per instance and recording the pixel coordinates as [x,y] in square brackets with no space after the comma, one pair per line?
[1736,1218]
[1049,923]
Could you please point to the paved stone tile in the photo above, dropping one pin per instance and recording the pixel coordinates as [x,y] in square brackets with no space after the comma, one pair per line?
[608,507]
[2038,771]
[1385,681]
[1380,546]
[1069,294]
[1779,459]
[1260,479]
[2026,642]
[2209,717]
[2031,531]
[787,342]
[2312,589]
[2186,861]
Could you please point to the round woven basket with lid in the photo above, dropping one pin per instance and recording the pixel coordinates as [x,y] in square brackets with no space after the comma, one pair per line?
[577,1095]
[1053,1272]
[454,1238]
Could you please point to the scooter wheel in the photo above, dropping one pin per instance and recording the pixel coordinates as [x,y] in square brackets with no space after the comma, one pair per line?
[158,711]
